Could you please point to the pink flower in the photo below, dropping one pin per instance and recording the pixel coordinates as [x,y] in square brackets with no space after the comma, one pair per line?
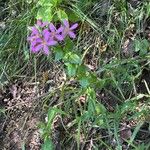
[56,33]
[69,30]
[43,43]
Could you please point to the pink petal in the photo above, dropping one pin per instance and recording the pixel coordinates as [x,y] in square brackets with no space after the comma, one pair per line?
[52,27]
[38,40]
[74,26]
[39,22]
[46,50]
[33,43]
[60,29]
[45,30]
[30,38]
[59,37]
[35,31]
[51,43]
[33,38]
[71,34]
[44,24]
[46,34]
[37,48]
[66,23]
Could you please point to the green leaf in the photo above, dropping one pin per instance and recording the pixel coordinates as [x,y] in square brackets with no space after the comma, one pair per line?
[69,45]
[144,47]
[71,69]
[58,53]
[42,127]
[91,101]
[72,16]
[91,107]
[62,15]
[45,13]
[141,46]
[85,116]
[84,82]
[100,108]
[75,59]
[99,121]
[101,83]
[56,2]
[72,58]
[44,3]
[51,114]
[82,70]
[49,2]
[93,78]
[48,145]
[137,45]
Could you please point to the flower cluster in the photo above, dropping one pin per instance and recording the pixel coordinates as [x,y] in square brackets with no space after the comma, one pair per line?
[45,34]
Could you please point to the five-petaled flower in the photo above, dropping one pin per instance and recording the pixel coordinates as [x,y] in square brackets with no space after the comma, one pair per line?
[43,43]
[69,30]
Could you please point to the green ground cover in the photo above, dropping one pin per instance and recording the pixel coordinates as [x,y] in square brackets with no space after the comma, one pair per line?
[89,92]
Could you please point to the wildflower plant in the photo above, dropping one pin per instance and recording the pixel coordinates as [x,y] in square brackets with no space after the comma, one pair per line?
[46,36]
